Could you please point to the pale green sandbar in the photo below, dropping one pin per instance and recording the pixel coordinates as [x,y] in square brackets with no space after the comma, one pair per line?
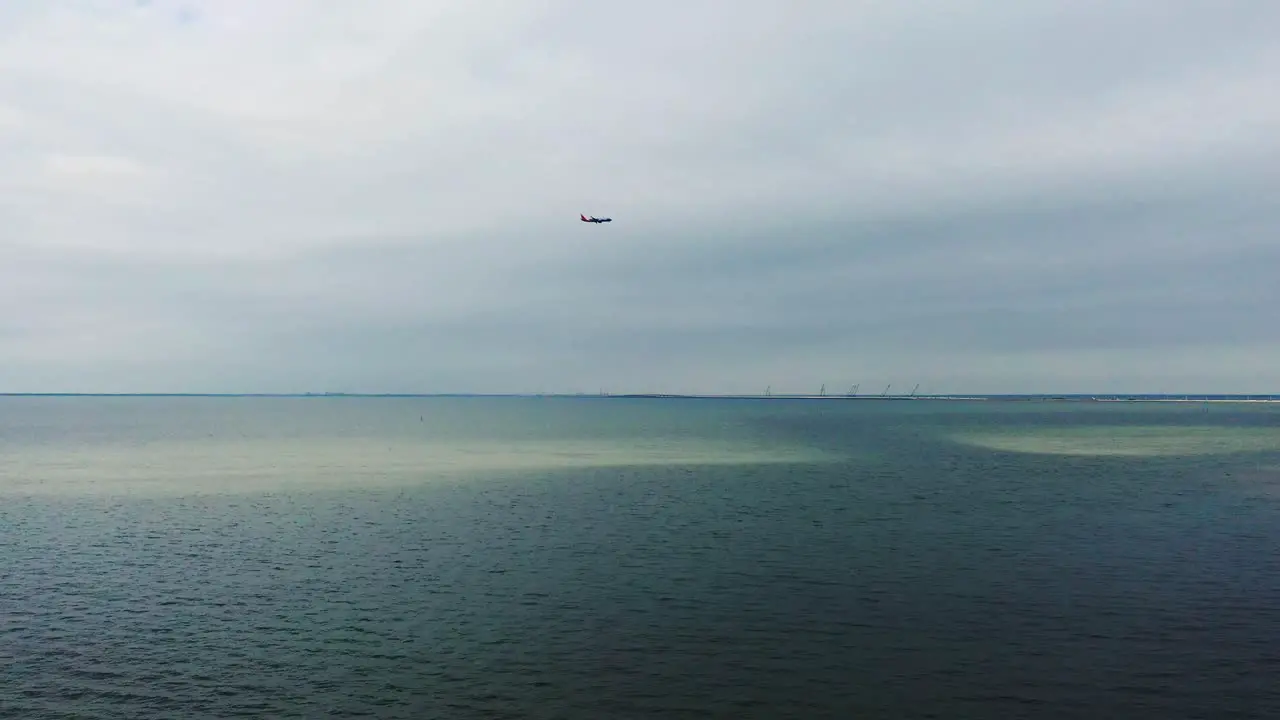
[258,465]
[1142,441]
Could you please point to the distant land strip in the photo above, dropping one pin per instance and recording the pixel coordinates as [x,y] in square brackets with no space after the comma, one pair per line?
[1076,397]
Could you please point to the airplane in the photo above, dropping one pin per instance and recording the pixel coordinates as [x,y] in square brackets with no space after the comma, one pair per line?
[595,219]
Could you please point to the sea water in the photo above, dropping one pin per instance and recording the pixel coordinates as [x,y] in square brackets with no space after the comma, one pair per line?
[630,558]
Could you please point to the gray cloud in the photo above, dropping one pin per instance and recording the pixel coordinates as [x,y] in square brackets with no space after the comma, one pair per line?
[981,196]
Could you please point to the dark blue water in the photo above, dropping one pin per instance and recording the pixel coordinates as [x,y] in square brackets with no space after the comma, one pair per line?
[913,576]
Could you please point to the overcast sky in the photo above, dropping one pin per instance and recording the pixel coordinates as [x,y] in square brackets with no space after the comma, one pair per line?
[328,195]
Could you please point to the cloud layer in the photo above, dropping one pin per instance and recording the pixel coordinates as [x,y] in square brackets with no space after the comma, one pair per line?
[302,195]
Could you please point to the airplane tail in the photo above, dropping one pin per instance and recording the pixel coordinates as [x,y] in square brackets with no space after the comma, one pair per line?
[584,217]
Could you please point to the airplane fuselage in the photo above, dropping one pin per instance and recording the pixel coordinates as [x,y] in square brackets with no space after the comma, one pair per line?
[595,219]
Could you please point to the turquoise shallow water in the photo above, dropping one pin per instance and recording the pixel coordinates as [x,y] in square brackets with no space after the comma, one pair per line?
[589,558]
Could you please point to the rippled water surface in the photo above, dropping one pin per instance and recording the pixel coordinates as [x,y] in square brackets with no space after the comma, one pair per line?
[591,558]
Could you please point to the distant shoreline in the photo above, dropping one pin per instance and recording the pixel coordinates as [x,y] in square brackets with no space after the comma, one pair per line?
[1076,398]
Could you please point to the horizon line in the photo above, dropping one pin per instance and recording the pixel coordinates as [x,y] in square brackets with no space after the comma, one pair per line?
[1079,396]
